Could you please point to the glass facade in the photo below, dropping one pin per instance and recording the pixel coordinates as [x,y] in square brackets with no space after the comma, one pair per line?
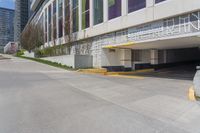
[75,15]
[134,5]
[158,1]
[49,23]
[114,9]
[45,26]
[98,11]
[60,18]
[54,20]
[6,27]
[85,14]
[67,17]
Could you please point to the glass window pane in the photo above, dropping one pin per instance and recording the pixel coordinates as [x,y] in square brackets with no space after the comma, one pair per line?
[75,15]
[60,27]
[85,14]
[74,3]
[114,9]
[67,17]
[98,11]
[45,27]
[54,21]
[60,19]
[134,5]
[158,1]
[49,19]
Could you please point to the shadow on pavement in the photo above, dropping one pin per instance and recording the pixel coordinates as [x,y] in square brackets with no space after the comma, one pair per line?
[184,72]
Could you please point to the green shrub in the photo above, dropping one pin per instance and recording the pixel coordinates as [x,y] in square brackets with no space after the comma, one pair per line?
[50,51]
[20,52]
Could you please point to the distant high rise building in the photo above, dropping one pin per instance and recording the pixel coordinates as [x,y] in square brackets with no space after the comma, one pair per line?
[21,17]
[6,26]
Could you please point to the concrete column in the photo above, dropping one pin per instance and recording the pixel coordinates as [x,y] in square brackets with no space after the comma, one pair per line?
[154,57]
[44,25]
[126,58]
[91,13]
[150,3]
[105,10]
[80,14]
[124,7]
[51,24]
[47,13]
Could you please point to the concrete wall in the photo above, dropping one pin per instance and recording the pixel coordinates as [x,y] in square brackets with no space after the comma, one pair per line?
[83,61]
[74,61]
[123,57]
[126,58]
[65,60]
[144,56]
[110,57]
[197,83]
[27,54]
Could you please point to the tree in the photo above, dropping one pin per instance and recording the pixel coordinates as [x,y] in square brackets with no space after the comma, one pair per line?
[32,37]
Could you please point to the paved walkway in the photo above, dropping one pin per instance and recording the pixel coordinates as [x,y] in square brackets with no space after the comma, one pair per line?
[36,98]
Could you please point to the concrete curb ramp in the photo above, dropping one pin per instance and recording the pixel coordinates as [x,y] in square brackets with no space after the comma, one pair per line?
[129,73]
[103,71]
[191,94]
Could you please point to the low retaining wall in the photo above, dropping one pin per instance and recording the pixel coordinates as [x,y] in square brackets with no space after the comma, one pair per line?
[197,83]
[74,61]
[27,54]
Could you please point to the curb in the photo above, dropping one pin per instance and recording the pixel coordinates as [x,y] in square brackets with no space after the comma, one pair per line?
[129,73]
[105,72]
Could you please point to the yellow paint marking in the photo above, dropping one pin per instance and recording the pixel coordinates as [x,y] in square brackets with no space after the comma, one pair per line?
[191,94]
[125,76]
[109,46]
[132,72]
[119,45]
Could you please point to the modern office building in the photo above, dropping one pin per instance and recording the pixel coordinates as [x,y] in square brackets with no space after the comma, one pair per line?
[6,27]
[21,17]
[122,34]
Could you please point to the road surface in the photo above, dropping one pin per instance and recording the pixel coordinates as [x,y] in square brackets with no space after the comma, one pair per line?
[36,98]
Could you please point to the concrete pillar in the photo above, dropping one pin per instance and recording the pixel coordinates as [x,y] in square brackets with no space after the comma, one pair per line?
[44,25]
[124,7]
[154,57]
[150,3]
[126,58]
[105,10]
[47,13]
[80,14]
[91,13]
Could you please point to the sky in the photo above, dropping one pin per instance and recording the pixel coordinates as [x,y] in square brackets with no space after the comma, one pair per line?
[7,4]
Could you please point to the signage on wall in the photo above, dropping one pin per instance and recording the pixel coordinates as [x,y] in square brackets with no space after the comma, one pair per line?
[180,25]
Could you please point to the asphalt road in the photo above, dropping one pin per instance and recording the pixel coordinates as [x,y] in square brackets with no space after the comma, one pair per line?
[36,98]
